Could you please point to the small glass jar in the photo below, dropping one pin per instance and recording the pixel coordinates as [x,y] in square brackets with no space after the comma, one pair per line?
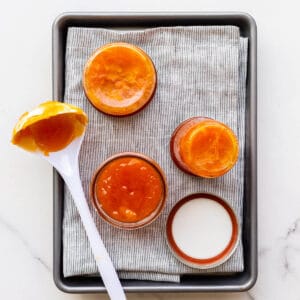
[129,190]
[119,79]
[202,231]
[204,147]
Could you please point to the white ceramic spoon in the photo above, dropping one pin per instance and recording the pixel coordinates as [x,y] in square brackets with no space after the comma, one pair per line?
[66,163]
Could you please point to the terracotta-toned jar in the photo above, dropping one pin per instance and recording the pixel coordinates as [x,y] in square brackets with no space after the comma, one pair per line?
[119,79]
[204,147]
[129,190]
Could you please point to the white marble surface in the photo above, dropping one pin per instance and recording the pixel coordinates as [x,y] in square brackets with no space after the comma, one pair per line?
[26,181]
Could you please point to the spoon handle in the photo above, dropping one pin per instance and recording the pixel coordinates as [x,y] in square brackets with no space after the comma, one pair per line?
[103,261]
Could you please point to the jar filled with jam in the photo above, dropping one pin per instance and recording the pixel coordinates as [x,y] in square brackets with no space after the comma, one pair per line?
[204,147]
[129,190]
[119,79]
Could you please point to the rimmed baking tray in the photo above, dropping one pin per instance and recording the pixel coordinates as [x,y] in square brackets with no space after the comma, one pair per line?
[233,282]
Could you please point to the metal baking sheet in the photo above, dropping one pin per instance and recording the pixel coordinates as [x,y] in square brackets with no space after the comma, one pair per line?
[234,282]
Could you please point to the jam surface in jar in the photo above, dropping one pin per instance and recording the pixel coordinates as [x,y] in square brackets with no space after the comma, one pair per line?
[128,189]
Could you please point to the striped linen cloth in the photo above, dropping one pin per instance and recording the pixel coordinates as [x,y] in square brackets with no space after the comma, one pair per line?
[201,71]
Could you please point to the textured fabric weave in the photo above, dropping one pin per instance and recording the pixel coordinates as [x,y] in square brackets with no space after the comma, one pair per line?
[201,71]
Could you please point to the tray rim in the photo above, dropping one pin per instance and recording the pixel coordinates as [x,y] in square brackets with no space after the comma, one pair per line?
[246,280]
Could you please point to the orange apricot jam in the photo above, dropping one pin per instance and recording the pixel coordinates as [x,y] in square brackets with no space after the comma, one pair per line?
[49,128]
[119,79]
[128,189]
[204,147]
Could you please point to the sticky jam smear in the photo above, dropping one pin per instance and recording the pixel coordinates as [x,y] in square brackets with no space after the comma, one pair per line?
[129,189]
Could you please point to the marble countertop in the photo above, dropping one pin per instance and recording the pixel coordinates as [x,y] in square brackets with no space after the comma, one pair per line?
[26,181]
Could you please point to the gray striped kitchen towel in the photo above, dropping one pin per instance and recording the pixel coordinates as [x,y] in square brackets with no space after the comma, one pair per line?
[201,71]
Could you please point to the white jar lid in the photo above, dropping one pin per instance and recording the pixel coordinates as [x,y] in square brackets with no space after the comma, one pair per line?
[202,230]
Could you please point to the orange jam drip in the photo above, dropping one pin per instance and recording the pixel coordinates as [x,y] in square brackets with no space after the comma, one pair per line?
[50,134]
[129,189]
[209,148]
[119,79]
